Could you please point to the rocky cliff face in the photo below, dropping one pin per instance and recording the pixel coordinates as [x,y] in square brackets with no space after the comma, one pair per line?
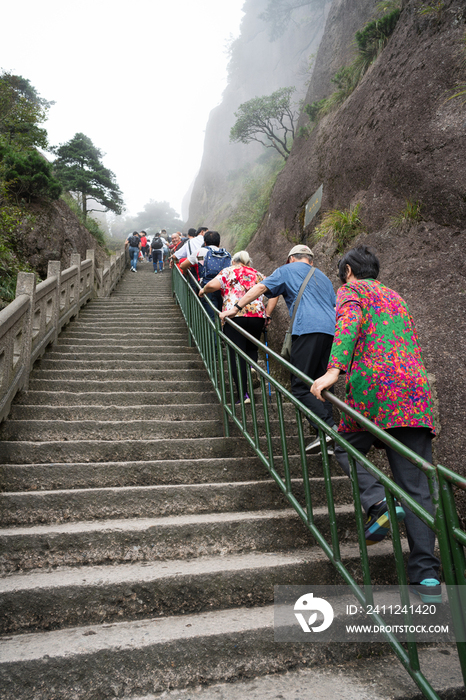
[54,233]
[258,67]
[396,138]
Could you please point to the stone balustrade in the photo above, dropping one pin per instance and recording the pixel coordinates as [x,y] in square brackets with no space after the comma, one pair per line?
[37,315]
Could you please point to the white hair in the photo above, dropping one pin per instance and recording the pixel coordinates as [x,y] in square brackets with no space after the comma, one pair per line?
[242,257]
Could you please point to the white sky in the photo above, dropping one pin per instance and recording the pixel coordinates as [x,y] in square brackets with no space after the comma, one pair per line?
[139,78]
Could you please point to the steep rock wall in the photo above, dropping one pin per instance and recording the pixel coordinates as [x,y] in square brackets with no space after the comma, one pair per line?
[396,137]
[258,67]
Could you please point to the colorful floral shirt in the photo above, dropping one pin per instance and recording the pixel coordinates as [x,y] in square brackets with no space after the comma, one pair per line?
[376,344]
[236,281]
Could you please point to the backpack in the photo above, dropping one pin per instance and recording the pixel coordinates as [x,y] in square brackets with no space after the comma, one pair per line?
[134,241]
[157,244]
[214,262]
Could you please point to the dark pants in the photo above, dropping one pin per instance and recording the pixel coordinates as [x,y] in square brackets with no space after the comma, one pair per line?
[310,354]
[216,299]
[254,325]
[422,563]
[157,258]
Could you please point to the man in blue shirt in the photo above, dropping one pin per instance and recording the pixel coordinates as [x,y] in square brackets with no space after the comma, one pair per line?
[313,327]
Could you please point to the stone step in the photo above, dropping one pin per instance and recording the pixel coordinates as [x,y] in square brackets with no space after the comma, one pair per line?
[109,386]
[88,595]
[151,363]
[115,350]
[78,374]
[22,452]
[154,539]
[83,475]
[125,429]
[156,344]
[170,412]
[68,353]
[46,507]
[147,656]
[115,398]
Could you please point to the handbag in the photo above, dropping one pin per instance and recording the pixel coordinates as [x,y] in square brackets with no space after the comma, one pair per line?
[286,347]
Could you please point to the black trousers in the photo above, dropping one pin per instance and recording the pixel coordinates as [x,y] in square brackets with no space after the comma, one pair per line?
[254,325]
[310,354]
[421,539]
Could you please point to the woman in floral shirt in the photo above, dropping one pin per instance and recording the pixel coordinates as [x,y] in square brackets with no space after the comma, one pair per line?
[234,282]
[377,347]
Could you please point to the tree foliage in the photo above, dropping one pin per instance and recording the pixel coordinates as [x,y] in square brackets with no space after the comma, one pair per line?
[27,175]
[22,110]
[269,120]
[154,217]
[80,169]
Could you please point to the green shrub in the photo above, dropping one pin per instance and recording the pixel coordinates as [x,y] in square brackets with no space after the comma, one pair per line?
[10,261]
[435,9]
[27,175]
[90,223]
[343,225]
[410,214]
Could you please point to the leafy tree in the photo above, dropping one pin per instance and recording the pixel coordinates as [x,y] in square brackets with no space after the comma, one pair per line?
[22,110]
[268,120]
[27,175]
[80,170]
[158,215]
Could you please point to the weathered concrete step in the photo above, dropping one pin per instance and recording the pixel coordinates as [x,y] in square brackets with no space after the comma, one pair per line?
[183,374]
[155,539]
[118,349]
[69,354]
[127,429]
[154,345]
[115,398]
[21,477]
[87,361]
[22,452]
[135,334]
[34,507]
[149,656]
[373,678]
[65,597]
[109,386]
[171,412]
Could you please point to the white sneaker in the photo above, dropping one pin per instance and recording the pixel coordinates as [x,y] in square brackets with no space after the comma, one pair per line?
[316,444]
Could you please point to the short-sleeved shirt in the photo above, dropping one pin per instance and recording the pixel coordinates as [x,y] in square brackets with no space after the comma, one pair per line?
[191,246]
[236,281]
[316,310]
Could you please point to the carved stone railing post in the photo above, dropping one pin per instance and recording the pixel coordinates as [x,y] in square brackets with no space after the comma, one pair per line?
[54,270]
[26,284]
[76,260]
[90,255]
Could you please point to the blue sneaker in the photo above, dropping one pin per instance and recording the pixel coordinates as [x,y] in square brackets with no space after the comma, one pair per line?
[378,522]
[429,590]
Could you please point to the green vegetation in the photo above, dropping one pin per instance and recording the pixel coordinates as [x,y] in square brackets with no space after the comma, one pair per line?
[11,261]
[271,117]
[91,224]
[410,214]
[80,169]
[343,225]
[435,8]
[369,41]
[27,175]
[253,203]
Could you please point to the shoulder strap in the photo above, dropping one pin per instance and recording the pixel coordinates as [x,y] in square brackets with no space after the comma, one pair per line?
[300,294]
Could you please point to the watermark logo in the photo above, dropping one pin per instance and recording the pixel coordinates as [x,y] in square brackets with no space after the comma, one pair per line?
[307,603]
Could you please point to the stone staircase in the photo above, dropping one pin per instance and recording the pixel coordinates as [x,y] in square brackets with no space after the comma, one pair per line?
[139,546]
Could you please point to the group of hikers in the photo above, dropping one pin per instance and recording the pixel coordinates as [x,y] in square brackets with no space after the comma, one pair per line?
[364,332]
[141,250]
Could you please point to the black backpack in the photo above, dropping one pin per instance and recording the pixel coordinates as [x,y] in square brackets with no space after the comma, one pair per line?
[134,241]
[157,244]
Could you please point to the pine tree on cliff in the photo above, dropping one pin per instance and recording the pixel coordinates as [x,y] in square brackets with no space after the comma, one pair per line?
[80,169]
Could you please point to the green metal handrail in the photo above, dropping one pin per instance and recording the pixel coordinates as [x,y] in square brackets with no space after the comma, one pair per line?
[274,454]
